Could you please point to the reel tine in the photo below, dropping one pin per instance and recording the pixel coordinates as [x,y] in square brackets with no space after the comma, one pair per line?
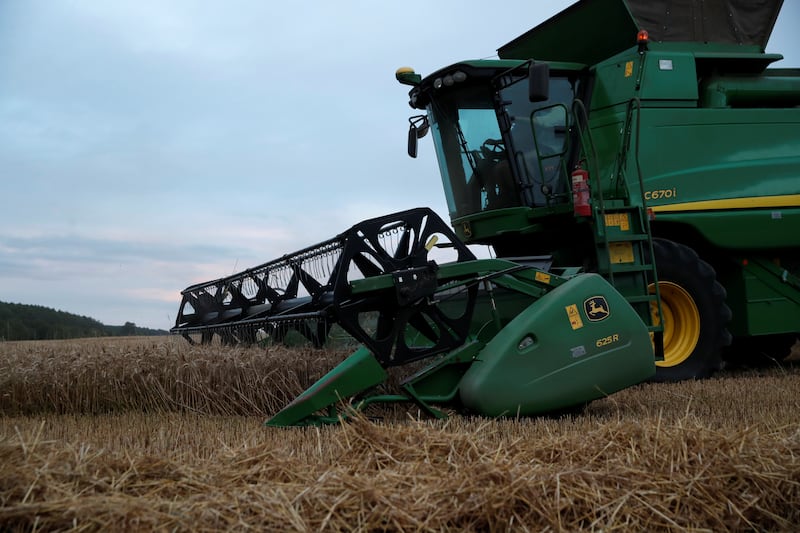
[402,249]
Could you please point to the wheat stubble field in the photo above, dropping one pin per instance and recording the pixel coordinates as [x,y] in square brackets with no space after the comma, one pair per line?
[154,434]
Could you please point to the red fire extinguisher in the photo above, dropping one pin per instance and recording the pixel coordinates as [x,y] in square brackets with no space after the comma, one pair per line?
[580,192]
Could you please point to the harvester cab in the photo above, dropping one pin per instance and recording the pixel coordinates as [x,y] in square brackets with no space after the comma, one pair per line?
[559,155]
[501,131]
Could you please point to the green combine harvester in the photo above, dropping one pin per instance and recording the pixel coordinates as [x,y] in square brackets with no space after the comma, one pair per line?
[635,168]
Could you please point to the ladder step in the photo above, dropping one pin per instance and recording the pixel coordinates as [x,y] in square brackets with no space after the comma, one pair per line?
[627,237]
[622,242]
[622,268]
[639,299]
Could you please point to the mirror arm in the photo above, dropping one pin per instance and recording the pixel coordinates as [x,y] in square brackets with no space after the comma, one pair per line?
[418,128]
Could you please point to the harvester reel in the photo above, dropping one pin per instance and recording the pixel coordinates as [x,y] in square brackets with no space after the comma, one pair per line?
[312,289]
[386,320]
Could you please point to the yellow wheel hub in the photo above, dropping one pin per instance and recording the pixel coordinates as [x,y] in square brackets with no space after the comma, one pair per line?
[681,321]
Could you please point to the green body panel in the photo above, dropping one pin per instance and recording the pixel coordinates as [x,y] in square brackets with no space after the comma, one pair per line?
[616,83]
[664,78]
[438,383]
[452,271]
[565,364]
[358,372]
[755,152]
[764,298]
[740,229]
[514,220]
[741,90]
[667,77]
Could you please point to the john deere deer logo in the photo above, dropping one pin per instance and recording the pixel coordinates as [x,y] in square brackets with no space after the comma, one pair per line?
[596,308]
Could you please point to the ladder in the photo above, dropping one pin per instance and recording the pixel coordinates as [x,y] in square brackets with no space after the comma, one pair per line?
[624,247]
[622,236]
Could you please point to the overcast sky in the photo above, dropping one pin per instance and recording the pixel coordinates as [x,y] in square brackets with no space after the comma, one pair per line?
[146,145]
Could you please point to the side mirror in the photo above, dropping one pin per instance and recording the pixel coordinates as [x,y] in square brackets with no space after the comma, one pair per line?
[539,82]
[418,128]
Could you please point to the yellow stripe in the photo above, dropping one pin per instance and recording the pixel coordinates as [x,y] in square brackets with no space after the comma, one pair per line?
[752,202]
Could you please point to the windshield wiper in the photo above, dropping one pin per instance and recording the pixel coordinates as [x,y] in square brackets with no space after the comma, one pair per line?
[462,141]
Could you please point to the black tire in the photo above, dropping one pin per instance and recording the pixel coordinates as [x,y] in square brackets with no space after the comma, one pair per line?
[695,312]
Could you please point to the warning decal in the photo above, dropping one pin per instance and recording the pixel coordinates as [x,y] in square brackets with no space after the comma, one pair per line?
[628,69]
[620,220]
[574,316]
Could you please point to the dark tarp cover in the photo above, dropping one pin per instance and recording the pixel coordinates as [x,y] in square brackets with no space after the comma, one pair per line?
[592,30]
[747,22]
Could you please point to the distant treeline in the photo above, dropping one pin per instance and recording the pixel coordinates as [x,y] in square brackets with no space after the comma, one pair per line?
[21,322]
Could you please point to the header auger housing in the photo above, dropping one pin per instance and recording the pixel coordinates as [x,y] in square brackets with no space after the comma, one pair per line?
[640,191]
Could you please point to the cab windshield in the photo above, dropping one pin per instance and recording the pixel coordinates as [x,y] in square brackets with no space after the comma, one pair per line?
[511,155]
[469,147]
